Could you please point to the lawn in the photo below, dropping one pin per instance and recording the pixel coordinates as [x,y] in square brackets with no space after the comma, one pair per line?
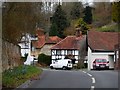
[15,77]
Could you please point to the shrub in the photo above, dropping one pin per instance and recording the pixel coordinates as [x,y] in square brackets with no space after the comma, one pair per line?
[80,23]
[18,75]
[80,65]
[108,28]
[45,59]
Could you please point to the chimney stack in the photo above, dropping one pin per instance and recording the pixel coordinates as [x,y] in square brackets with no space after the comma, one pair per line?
[39,32]
[47,36]
[78,32]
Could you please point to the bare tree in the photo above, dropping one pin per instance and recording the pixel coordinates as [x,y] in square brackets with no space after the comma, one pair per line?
[82,51]
[102,13]
[20,18]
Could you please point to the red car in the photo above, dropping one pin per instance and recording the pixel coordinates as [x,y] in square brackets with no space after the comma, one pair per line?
[100,64]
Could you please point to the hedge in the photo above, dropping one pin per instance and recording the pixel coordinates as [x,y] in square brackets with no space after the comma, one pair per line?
[44,59]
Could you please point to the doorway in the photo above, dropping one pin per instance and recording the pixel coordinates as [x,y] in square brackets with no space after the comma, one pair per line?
[111,61]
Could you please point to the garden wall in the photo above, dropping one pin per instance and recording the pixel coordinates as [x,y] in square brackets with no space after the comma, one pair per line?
[11,55]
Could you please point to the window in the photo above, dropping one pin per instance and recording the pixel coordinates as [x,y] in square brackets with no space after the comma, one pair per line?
[58,52]
[69,52]
[53,52]
[33,48]
[101,60]
[65,52]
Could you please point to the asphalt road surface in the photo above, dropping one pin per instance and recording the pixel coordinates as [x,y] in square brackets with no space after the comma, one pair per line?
[76,79]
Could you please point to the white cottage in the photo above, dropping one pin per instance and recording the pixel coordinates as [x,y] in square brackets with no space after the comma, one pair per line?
[101,45]
[25,45]
[68,47]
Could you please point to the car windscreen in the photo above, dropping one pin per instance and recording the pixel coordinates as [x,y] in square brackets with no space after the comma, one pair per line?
[101,60]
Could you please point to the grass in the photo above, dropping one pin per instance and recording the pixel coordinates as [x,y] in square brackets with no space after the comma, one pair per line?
[17,76]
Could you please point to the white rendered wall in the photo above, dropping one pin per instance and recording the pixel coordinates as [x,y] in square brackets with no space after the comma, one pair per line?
[24,51]
[46,49]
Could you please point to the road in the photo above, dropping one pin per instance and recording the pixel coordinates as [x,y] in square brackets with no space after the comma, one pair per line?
[76,79]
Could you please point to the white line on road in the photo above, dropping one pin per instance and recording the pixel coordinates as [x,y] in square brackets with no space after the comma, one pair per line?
[84,72]
[93,80]
[89,74]
[92,87]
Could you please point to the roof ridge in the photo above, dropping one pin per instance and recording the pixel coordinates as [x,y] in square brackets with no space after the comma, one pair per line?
[58,42]
[69,41]
[55,37]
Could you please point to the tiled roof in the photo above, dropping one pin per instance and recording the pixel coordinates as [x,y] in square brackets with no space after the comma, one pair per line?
[42,41]
[102,40]
[39,32]
[53,39]
[39,43]
[70,42]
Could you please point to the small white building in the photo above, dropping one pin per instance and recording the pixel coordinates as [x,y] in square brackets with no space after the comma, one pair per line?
[25,46]
[101,45]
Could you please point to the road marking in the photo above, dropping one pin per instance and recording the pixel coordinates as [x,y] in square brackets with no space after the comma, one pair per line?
[89,74]
[84,72]
[92,87]
[93,80]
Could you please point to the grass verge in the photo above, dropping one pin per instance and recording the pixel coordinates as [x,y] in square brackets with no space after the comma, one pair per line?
[15,77]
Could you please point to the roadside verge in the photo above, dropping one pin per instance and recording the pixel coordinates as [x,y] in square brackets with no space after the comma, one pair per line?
[20,76]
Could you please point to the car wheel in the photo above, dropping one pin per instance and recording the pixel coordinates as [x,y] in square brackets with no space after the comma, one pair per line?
[94,68]
[51,67]
[64,68]
[107,68]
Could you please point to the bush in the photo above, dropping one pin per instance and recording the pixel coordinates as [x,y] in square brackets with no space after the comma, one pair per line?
[80,65]
[44,59]
[108,28]
[18,75]
[83,25]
